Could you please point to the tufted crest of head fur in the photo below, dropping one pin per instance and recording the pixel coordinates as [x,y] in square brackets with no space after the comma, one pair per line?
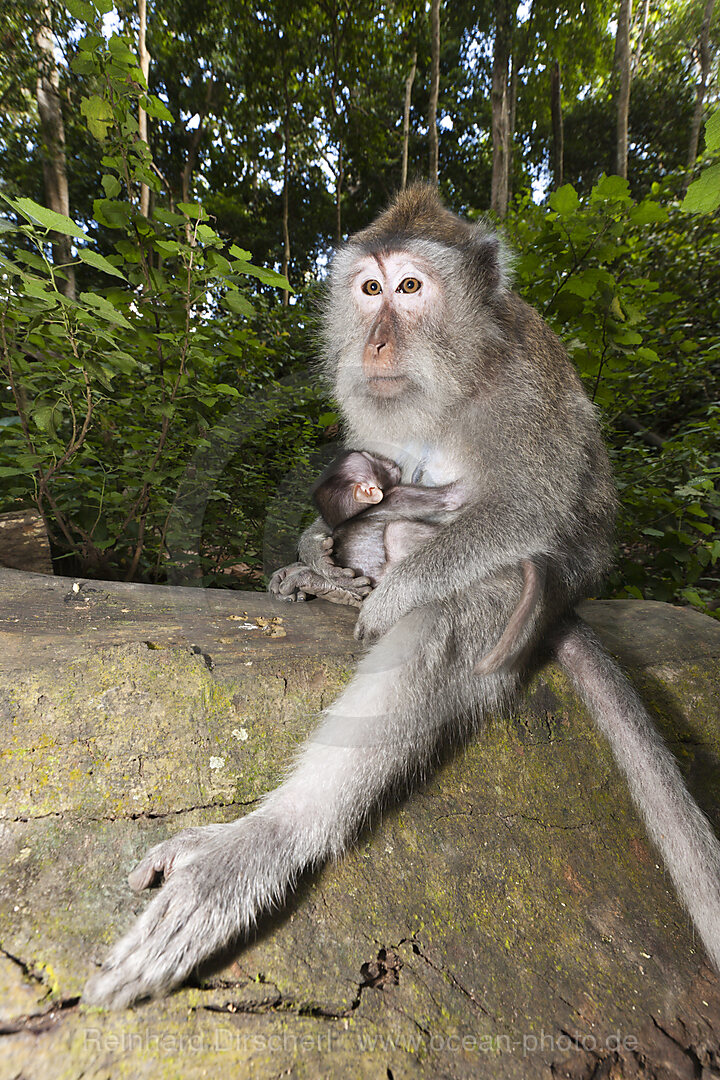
[418,215]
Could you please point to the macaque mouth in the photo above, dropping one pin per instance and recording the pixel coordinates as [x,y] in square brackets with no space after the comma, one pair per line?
[386,385]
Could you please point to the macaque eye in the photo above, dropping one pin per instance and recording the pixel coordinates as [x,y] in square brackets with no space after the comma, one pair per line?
[409,285]
[371,287]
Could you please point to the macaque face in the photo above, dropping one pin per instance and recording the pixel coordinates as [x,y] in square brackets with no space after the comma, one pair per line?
[392,294]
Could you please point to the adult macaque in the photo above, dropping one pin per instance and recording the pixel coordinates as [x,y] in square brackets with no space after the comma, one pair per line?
[376,521]
[434,361]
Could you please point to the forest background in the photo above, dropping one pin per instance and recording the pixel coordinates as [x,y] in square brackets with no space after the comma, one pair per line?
[174,178]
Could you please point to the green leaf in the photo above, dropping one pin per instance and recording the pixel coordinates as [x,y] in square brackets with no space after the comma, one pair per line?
[83,64]
[6,471]
[712,132]
[80,10]
[223,388]
[31,258]
[579,285]
[111,185]
[268,277]
[240,253]
[123,361]
[648,213]
[167,217]
[48,218]
[111,213]
[611,187]
[703,195]
[192,210]
[96,108]
[93,258]
[155,107]
[565,200]
[37,289]
[44,419]
[206,233]
[104,309]
[170,247]
[120,51]
[9,421]
[10,267]
[237,303]
[7,226]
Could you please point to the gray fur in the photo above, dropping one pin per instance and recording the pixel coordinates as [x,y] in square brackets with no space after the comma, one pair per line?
[491,401]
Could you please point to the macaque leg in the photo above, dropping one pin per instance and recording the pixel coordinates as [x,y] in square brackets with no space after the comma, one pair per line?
[316,574]
[409,691]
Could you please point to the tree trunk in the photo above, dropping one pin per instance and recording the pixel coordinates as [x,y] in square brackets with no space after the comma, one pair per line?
[703,62]
[286,191]
[194,142]
[557,124]
[406,121]
[142,115]
[621,73]
[500,189]
[52,135]
[434,88]
[338,193]
[640,39]
[512,110]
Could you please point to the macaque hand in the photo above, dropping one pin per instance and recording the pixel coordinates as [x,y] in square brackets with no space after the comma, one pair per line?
[297,582]
[207,898]
[376,617]
[455,496]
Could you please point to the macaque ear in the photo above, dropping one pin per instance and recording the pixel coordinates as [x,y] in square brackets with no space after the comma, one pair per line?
[489,261]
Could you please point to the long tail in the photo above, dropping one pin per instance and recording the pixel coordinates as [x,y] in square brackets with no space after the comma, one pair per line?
[675,823]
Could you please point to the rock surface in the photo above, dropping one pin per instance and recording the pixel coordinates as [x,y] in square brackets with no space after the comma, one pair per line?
[508,920]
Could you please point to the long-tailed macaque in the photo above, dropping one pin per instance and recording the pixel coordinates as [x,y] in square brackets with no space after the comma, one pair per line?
[432,359]
[376,521]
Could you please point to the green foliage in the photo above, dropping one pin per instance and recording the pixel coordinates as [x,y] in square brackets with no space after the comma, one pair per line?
[151,416]
[111,394]
[703,195]
[632,288]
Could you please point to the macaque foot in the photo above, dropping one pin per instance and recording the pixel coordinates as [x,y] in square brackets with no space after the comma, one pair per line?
[297,582]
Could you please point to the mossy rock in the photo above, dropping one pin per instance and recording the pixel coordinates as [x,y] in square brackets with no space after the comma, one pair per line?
[509,919]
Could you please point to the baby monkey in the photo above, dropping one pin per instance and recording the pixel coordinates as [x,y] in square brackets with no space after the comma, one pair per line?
[377,521]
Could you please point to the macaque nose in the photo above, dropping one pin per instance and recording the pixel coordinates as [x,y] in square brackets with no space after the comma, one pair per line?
[379,334]
[378,358]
